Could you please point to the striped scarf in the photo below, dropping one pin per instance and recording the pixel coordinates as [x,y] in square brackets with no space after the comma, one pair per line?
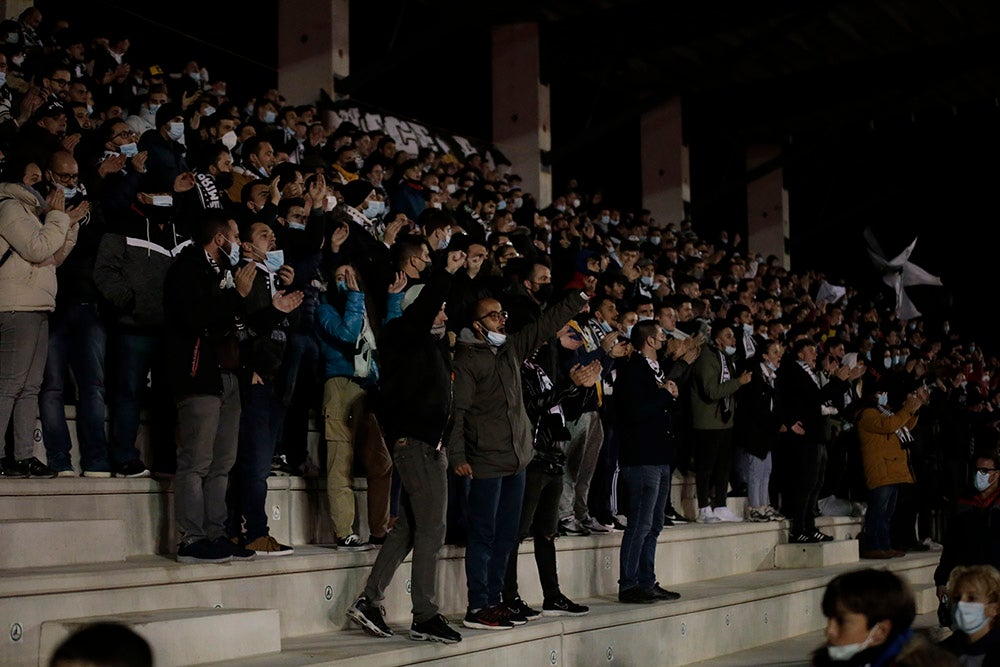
[903,433]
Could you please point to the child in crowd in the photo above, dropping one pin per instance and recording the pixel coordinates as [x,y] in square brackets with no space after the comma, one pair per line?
[869,617]
[974,592]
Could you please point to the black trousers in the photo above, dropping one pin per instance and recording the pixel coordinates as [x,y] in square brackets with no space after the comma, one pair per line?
[712,459]
[540,520]
[805,462]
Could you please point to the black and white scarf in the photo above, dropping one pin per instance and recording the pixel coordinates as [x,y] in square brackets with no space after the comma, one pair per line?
[903,433]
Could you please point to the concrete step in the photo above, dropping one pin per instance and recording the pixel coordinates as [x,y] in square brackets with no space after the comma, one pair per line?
[181,637]
[712,618]
[795,652]
[45,542]
[816,555]
[314,586]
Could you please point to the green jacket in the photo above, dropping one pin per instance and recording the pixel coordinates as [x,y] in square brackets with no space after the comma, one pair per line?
[707,392]
[490,430]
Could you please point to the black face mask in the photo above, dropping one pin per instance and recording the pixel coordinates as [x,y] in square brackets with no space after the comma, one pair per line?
[544,293]
[351,167]
[224,180]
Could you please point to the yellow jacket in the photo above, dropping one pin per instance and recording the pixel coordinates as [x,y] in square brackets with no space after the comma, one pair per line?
[884,459]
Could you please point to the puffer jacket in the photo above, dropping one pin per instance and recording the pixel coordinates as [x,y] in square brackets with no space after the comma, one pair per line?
[25,285]
[491,431]
[885,460]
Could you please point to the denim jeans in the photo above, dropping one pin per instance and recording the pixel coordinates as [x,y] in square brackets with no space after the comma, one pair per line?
[297,388]
[77,342]
[878,517]
[494,517]
[647,488]
[134,356]
[423,471]
[260,423]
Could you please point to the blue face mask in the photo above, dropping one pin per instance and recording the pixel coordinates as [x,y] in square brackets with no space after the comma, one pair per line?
[234,253]
[342,286]
[175,131]
[296,225]
[129,149]
[274,260]
[883,399]
[69,193]
[270,117]
[374,209]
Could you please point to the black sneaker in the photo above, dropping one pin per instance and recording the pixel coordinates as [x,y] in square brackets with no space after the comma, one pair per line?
[10,469]
[570,527]
[563,606]
[674,515]
[133,468]
[377,541]
[27,468]
[436,629]
[369,617]
[487,618]
[512,615]
[636,595]
[802,538]
[352,543]
[204,551]
[521,609]
[663,593]
[236,550]
[823,537]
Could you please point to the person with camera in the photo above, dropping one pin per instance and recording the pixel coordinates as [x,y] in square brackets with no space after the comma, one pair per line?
[885,436]
[545,389]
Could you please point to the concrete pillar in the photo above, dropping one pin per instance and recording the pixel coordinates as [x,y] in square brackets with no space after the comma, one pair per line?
[767,206]
[666,171]
[313,47]
[521,109]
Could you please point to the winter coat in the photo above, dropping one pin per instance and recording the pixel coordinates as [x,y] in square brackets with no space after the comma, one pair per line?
[25,284]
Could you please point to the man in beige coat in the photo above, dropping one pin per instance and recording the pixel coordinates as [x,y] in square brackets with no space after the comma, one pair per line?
[30,251]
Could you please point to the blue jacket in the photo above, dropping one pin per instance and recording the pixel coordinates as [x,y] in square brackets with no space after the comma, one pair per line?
[338,333]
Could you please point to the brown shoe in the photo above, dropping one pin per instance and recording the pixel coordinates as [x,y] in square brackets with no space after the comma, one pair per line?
[896,553]
[268,546]
[877,553]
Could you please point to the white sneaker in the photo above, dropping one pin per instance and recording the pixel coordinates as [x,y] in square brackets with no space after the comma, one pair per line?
[934,546]
[725,514]
[706,515]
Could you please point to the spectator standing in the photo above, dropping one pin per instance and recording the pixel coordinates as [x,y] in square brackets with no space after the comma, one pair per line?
[644,398]
[416,399]
[491,444]
[884,437]
[36,235]
[713,388]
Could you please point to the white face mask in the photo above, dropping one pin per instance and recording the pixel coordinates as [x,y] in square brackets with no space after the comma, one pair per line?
[443,243]
[175,131]
[982,481]
[495,338]
[730,350]
[848,651]
[970,617]
[229,140]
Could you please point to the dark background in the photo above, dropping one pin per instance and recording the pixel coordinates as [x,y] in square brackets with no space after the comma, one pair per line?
[887,112]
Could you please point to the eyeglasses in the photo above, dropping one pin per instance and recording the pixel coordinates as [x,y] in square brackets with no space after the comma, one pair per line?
[61,83]
[66,178]
[986,471]
[495,315]
[124,134]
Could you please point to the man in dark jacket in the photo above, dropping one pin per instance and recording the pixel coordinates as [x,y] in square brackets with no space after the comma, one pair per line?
[543,399]
[262,349]
[416,397]
[491,443]
[204,299]
[644,398]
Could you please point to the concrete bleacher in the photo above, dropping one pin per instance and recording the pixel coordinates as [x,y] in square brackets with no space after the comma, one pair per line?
[89,549]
